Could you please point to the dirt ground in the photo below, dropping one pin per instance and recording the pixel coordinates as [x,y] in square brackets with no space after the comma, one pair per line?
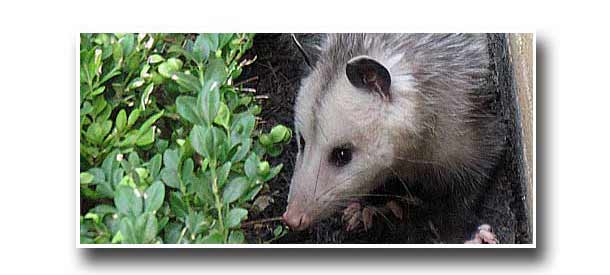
[279,68]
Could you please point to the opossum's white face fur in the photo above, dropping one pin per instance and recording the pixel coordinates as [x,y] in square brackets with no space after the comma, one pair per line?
[346,132]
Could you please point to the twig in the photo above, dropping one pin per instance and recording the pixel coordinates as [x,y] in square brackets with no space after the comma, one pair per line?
[247,224]
[300,47]
[249,90]
[254,78]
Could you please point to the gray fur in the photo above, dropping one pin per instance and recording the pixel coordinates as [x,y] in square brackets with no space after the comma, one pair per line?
[438,132]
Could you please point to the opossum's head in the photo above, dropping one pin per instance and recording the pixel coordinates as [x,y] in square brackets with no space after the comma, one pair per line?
[347,125]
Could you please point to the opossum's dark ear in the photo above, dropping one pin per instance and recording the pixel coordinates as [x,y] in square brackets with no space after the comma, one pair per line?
[365,72]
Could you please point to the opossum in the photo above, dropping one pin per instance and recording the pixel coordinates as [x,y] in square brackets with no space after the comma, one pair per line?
[375,107]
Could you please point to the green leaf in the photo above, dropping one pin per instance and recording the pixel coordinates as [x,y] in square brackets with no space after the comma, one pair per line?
[251,166]
[147,225]
[180,50]
[197,139]
[195,223]
[128,231]
[105,190]
[187,81]
[278,231]
[214,237]
[265,140]
[127,180]
[274,150]
[235,216]
[208,104]
[204,44]
[127,42]
[235,189]
[115,71]
[279,133]
[128,200]
[263,168]
[153,197]
[98,91]
[162,223]
[242,150]
[92,216]
[171,158]
[103,209]
[223,173]
[223,116]
[148,123]
[133,117]
[252,193]
[142,175]
[135,83]
[187,170]
[155,58]
[170,177]
[146,138]
[274,171]
[169,67]
[201,49]
[118,238]
[169,174]
[86,109]
[86,178]
[154,166]
[98,131]
[172,233]
[242,127]
[237,237]
[207,142]
[202,187]
[142,230]
[134,160]
[99,105]
[121,120]
[130,139]
[224,38]
[146,95]
[187,108]
[177,206]
[215,73]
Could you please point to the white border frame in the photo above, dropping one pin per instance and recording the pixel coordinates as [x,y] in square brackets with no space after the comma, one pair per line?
[233,246]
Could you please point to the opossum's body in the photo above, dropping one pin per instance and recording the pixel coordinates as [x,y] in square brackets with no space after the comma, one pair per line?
[412,107]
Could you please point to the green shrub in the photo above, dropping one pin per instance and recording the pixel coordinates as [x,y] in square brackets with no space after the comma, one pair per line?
[169,146]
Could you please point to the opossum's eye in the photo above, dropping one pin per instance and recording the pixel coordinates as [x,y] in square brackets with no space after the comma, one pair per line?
[341,156]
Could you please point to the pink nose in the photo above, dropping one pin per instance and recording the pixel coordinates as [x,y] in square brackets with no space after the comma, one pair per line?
[296,221]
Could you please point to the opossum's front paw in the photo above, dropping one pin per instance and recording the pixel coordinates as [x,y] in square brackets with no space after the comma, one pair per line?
[356,215]
[484,235]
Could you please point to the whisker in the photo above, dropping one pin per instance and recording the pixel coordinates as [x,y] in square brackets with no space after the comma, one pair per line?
[346,181]
[417,161]
[410,199]
[404,185]
[386,219]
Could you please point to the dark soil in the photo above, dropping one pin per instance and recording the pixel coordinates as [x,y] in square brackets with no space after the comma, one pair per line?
[279,68]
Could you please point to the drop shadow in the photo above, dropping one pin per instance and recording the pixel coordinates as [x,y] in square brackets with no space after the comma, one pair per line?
[162,258]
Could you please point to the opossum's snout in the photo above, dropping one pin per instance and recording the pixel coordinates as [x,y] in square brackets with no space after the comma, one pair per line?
[303,202]
[296,218]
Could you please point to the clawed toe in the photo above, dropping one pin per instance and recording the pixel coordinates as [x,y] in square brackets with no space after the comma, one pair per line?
[484,235]
[356,215]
